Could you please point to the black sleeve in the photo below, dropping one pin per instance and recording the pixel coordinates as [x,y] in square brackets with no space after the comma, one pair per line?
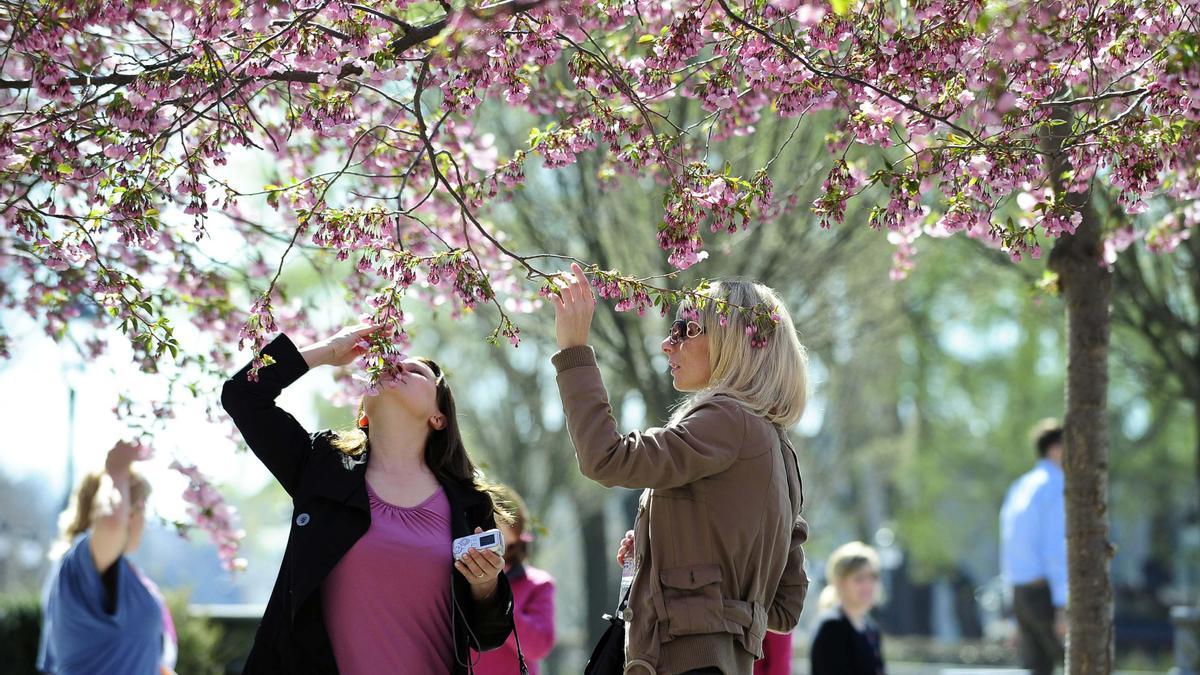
[832,653]
[492,621]
[273,435]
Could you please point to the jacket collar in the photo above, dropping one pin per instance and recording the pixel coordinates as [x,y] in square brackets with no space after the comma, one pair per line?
[343,479]
[337,476]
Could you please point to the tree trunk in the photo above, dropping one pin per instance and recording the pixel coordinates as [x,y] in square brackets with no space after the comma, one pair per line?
[1087,290]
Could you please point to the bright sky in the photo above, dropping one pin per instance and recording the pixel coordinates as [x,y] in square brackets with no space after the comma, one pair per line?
[36,384]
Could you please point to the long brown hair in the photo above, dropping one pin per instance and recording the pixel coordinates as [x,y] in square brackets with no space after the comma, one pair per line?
[445,454]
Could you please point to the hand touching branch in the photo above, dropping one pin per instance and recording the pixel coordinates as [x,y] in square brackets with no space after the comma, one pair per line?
[339,349]
[573,309]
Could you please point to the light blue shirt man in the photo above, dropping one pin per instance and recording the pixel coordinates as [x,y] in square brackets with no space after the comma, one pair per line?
[1033,537]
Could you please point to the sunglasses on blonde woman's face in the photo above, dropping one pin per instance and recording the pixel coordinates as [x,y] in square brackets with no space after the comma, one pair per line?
[682,331]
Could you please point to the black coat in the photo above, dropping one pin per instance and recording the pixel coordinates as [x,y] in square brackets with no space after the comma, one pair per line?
[841,649]
[330,513]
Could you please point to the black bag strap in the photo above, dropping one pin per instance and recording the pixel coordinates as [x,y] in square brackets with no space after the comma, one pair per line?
[787,443]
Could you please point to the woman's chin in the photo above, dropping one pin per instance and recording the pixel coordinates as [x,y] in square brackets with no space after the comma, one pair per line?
[681,385]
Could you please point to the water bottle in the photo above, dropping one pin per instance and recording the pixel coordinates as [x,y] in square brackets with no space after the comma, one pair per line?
[626,576]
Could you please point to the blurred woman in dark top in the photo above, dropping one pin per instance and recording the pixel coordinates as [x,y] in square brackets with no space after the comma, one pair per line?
[847,641]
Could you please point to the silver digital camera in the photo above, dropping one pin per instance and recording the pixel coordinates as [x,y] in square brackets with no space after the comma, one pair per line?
[492,540]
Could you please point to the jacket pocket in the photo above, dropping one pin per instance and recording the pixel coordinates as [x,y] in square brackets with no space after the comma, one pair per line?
[692,596]
[747,622]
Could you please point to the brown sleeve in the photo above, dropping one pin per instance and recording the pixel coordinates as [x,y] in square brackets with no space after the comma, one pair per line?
[785,609]
[705,442]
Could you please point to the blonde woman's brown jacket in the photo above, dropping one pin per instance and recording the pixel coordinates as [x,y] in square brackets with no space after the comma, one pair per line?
[718,535]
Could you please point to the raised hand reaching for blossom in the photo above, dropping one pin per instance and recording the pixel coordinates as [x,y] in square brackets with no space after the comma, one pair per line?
[122,454]
[573,309]
[339,349]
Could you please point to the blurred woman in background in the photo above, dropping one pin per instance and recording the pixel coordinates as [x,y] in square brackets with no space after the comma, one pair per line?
[101,614]
[847,641]
[533,597]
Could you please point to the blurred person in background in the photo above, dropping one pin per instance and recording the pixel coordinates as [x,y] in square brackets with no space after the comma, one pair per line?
[847,641]
[533,597]
[1033,553]
[101,614]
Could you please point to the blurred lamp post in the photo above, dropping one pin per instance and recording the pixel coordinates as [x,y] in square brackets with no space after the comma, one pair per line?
[71,370]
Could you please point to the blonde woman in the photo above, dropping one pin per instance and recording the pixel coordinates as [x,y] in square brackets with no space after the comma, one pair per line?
[101,613]
[717,542]
[847,642]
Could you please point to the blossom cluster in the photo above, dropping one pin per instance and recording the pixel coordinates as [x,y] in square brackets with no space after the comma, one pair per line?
[209,512]
[125,127]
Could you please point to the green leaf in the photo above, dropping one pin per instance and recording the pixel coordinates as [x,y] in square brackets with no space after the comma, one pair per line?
[645,38]
[66,169]
[840,6]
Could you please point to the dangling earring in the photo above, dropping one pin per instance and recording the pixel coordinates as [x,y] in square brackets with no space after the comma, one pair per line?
[362,420]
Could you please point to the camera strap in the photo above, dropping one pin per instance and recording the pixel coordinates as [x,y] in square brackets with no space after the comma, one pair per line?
[517,638]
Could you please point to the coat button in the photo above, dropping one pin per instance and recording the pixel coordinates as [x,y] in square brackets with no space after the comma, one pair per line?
[302,519]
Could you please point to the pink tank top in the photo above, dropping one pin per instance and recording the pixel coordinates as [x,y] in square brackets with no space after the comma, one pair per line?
[387,602]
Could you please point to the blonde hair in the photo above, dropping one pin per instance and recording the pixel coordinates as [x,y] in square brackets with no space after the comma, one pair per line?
[770,380]
[77,518]
[844,563]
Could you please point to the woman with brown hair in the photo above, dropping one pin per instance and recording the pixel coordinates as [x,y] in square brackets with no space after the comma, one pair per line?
[101,613]
[366,584]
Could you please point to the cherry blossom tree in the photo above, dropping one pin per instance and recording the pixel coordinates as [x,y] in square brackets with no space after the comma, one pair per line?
[121,122]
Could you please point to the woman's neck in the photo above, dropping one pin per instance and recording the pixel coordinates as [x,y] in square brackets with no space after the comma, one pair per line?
[397,446]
